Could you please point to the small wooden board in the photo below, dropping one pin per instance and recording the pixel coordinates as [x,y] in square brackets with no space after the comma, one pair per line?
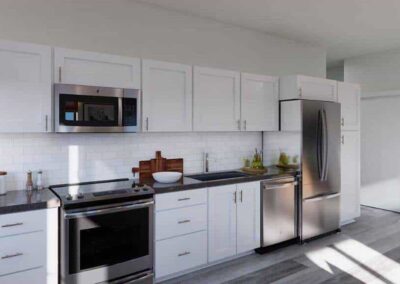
[253,171]
[290,166]
[159,164]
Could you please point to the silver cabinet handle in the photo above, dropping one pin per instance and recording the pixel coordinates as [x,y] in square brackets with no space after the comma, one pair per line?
[342,139]
[184,253]
[235,197]
[12,225]
[241,196]
[59,74]
[46,122]
[11,255]
[184,199]
[300,92]
[147,124]
[245,124]
[238,123]
[183,221]
[342,121]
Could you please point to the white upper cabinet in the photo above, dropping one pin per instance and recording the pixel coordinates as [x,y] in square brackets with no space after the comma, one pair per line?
[221,222]
[167,96]
[350,176]
[305,87]
[349,98]
[25,87]
[248,216]
[216,100]
[259,102]
[96,69]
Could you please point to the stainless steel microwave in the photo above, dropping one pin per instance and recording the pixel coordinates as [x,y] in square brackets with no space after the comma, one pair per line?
[79,108]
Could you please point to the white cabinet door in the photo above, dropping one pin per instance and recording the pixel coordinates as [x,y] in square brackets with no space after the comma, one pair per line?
[221,222]
[25,87]
[248,216]
[310,88]
[216,100]
[96,69]
[350,175]
[167,96]
[259,102]
[349,98]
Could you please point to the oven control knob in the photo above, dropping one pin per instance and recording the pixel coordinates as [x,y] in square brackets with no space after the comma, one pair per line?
[136,190]
[145,189]
[68,197]
[80,195]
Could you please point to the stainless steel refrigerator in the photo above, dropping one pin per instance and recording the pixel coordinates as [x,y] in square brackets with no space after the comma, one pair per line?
[318,126]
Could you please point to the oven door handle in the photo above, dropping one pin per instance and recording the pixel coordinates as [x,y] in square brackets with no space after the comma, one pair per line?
[108,210]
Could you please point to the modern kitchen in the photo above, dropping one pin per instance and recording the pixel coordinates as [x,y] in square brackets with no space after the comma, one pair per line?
[149,141]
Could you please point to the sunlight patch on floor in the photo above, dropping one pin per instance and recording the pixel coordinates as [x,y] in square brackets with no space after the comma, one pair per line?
[358,260]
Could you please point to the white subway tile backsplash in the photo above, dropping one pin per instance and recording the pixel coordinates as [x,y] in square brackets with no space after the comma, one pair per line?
[277,142]
[82,157]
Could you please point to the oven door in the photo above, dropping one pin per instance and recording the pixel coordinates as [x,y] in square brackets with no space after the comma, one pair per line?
[104,243]
[96,109]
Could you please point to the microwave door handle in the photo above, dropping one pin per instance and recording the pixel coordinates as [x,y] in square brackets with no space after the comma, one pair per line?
[108,210]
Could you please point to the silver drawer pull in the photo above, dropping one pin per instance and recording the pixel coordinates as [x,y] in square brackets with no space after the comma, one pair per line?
[183,221]
[12,225]
[184,199]
[184,253]
[12,255]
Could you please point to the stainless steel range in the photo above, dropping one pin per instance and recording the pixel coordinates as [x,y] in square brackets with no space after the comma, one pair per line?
[106,233]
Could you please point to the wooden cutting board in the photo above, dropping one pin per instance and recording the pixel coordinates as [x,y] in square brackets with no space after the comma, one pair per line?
[159,164]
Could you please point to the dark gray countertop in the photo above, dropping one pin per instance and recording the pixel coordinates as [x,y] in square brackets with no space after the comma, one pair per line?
[188,183]
[23,200]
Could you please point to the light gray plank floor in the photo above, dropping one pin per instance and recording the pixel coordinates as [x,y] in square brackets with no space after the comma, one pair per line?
[367,251]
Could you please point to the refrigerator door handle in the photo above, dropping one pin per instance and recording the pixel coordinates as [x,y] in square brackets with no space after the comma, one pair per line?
[325,146]
[322,197]
[319,145]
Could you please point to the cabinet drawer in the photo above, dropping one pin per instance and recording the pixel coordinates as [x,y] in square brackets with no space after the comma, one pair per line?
[181,253]
[25,222]
[22,252]
[181,221]
[34,276]
[181,199]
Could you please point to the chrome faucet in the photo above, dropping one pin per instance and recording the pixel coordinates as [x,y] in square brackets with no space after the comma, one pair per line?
[205,162]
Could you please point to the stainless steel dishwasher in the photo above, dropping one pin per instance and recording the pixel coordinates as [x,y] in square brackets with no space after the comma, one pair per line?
[278,211]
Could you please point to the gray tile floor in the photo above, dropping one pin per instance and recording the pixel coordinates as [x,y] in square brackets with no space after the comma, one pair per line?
[367,251]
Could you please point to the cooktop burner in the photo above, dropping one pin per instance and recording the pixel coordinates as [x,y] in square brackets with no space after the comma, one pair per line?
[100,191]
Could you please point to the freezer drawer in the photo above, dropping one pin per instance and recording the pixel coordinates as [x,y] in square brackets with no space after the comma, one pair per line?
[278,211]
[320,215]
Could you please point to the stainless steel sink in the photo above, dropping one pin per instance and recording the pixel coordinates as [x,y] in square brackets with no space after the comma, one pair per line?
[217,176]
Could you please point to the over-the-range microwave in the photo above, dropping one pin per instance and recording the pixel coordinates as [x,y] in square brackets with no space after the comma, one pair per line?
[79,108]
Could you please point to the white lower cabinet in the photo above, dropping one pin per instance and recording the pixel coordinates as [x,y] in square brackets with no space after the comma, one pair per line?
[197,227]
[181,253]
[29,247]
[233,219]
[248,216]
[350,176]
[181,231]
[221,222]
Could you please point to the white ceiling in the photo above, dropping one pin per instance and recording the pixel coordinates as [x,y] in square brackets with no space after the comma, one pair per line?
[345,28]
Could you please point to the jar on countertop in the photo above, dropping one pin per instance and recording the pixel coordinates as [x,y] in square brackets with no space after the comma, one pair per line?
[3,189]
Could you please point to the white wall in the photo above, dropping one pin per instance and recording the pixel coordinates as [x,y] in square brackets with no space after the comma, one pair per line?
[84,157]
[378,75]
[129,28]
[375,72]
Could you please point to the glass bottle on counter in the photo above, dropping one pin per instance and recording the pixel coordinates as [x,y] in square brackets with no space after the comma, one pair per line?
[29,181]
